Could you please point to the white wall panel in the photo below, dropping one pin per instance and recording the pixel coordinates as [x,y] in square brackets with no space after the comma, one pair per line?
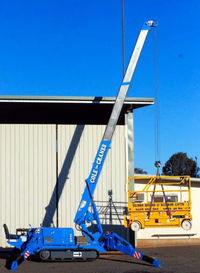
[27,174]
[86,141]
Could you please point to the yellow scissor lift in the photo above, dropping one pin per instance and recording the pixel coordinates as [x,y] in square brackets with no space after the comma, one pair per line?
[165,201]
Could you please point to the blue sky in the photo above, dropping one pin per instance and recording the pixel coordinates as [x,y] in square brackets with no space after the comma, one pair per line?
[74,48]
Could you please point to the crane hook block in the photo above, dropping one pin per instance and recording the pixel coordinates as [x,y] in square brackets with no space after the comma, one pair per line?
[158,164]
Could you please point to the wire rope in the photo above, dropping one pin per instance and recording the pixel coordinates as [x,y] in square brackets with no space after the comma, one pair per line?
[110,184]
[157,99]
[123,36]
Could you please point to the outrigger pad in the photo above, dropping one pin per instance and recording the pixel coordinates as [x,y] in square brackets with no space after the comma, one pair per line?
[14,261]
[151,260]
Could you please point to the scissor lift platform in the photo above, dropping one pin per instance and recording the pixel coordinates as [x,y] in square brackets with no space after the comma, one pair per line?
[165,201]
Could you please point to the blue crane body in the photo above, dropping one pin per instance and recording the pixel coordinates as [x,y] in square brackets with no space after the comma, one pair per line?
[55,244]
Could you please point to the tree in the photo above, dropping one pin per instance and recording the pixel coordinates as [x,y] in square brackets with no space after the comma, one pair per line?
[139,171]
[181,164]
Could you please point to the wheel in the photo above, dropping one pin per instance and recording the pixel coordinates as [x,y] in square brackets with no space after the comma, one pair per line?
[186,224]
[44,255]
[135,226]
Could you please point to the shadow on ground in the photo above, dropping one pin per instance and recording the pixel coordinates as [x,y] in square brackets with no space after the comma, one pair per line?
[125,261]
[5,253]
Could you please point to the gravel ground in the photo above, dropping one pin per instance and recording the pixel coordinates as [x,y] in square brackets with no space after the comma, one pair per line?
[182,259]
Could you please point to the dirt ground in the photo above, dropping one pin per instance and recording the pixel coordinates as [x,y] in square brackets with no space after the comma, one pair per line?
[175,259]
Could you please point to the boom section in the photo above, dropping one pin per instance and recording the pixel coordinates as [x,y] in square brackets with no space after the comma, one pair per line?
[82,214]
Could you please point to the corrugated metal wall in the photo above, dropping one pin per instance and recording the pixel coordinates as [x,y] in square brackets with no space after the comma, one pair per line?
[27,174]
[33,176]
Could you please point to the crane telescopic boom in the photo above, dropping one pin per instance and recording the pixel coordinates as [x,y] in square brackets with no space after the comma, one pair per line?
[82,214]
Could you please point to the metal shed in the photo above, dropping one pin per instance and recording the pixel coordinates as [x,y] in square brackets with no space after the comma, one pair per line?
[47,146]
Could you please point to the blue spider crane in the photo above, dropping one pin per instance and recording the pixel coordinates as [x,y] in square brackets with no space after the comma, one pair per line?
[54,244]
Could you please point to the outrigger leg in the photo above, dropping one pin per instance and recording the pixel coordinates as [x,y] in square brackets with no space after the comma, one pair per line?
[19,255]
[115,242]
